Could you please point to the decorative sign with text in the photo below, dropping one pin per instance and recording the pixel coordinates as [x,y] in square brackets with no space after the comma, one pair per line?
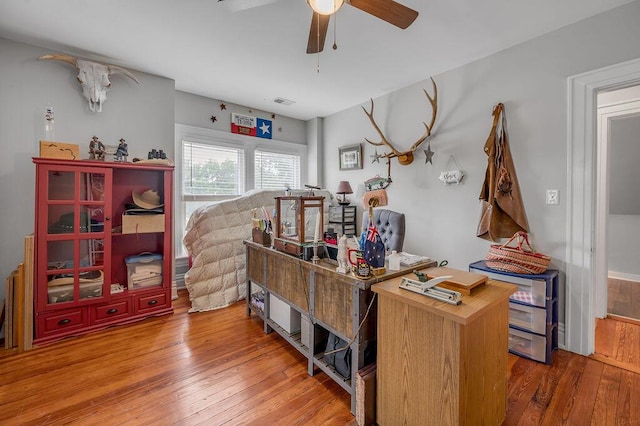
[251,126]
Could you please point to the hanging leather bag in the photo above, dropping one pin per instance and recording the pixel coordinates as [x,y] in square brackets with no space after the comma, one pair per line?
[501,208]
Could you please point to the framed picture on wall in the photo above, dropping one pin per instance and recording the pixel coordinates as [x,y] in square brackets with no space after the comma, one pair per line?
[350,157]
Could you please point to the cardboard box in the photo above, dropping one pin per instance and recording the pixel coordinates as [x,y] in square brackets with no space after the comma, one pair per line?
[143,223]
[64,151]
[284,315]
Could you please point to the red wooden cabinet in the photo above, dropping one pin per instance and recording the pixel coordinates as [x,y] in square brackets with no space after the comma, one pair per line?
[81,278]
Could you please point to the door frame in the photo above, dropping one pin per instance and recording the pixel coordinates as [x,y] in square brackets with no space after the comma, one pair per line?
[583,256]
[606,115]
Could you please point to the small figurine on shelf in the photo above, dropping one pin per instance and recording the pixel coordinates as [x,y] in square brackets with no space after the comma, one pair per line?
[123,151]
[343,265]
[96,149]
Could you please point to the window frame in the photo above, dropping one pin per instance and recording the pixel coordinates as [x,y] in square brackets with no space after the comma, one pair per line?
[229,140]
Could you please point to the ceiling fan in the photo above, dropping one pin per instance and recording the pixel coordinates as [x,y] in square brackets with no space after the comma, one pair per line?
[387,10]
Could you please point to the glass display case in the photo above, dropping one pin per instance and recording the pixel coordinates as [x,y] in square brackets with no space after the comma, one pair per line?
[74,247]
[82,281]
[299,223]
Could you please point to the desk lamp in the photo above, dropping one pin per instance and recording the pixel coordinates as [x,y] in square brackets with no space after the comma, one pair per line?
[344,188]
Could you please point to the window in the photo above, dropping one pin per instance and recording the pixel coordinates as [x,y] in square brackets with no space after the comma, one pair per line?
[212,166]
[276,171]
[209,170]
[210,173]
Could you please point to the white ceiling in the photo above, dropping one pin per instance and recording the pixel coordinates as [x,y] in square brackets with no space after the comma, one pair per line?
[253,55]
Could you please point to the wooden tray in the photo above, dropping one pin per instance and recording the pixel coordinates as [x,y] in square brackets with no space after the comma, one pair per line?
[462,281]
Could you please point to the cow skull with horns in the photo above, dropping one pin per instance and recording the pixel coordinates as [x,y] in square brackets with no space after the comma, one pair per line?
[93,77]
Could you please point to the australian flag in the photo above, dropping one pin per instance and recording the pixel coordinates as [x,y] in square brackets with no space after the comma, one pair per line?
[264,128]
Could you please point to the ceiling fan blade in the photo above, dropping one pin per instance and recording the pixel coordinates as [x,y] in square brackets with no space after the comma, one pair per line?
[318,32]
[238,5]
[387,10]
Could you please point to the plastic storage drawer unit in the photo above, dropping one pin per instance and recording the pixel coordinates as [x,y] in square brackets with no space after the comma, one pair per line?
[527,317]
[533,311]
[528,344]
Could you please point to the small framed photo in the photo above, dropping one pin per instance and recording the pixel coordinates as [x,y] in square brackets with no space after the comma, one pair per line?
[350,157]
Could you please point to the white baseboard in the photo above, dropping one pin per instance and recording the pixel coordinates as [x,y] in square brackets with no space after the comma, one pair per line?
[561,340]
[624,276]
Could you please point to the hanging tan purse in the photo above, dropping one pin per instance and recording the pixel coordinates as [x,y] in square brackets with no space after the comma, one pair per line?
[375,198]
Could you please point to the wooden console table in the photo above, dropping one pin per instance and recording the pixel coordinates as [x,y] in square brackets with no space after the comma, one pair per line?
[330,301]
[440,364]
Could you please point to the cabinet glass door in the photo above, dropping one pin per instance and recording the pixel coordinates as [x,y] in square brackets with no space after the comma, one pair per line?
[77,241]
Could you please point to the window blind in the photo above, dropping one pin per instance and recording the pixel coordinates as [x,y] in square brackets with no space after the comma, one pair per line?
[276,170]
[212,170]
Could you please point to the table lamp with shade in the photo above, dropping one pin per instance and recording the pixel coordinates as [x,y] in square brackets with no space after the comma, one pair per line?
[344,188]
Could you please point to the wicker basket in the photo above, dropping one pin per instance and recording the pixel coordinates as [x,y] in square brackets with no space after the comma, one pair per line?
[521,259]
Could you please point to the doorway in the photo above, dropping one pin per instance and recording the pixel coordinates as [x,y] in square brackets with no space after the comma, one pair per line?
[617,202]
[618,211]
[586,232]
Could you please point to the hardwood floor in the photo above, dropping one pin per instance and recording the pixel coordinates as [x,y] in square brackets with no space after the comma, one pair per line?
[218,367]
[618,343]
[623,298]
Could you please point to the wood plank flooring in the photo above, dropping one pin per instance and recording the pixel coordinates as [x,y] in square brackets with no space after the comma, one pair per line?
[618,343]
[623,298]
[218,367]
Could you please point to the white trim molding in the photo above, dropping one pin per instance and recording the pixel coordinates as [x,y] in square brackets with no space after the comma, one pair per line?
[581,253]
[624,276]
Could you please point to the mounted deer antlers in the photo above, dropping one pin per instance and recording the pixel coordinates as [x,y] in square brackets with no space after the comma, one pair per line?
[406,157]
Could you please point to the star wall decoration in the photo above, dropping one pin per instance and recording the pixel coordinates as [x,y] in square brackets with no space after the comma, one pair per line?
[214,118]
[429,154]
[222,106]
[375,158]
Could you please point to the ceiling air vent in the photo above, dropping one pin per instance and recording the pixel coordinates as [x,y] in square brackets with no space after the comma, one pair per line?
[283,101]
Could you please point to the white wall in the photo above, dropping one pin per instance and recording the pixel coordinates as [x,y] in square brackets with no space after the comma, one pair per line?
[624,239]
[142,113]
[624,205]
[194,110]
[624,173]
[531,80]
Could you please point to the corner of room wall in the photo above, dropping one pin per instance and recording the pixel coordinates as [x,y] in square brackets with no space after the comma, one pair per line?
[141,113]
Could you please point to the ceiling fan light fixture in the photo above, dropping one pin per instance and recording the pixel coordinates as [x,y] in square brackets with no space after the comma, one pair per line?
[325,7]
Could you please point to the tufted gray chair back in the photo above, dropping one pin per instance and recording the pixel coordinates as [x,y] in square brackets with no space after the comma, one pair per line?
[390,226]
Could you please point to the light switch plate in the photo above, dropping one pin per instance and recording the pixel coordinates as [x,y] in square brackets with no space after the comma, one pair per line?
[552,196]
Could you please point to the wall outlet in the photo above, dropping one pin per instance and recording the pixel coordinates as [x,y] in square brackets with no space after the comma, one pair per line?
[552,196]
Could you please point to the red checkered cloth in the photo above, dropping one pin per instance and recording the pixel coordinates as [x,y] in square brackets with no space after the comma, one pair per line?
[523,296]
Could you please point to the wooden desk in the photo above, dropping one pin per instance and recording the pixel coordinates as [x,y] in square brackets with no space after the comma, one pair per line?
[440,364]
[332,301]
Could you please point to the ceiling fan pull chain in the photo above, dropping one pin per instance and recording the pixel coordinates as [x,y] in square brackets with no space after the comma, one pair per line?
[318,43]
[335,26]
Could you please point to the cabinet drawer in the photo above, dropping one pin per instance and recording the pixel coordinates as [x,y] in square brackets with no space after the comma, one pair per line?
[529,317]
[527,344]
[62,321]
[106,313]
[343,229]
[287,247]
[338,215]
[533,292]
[148,303]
